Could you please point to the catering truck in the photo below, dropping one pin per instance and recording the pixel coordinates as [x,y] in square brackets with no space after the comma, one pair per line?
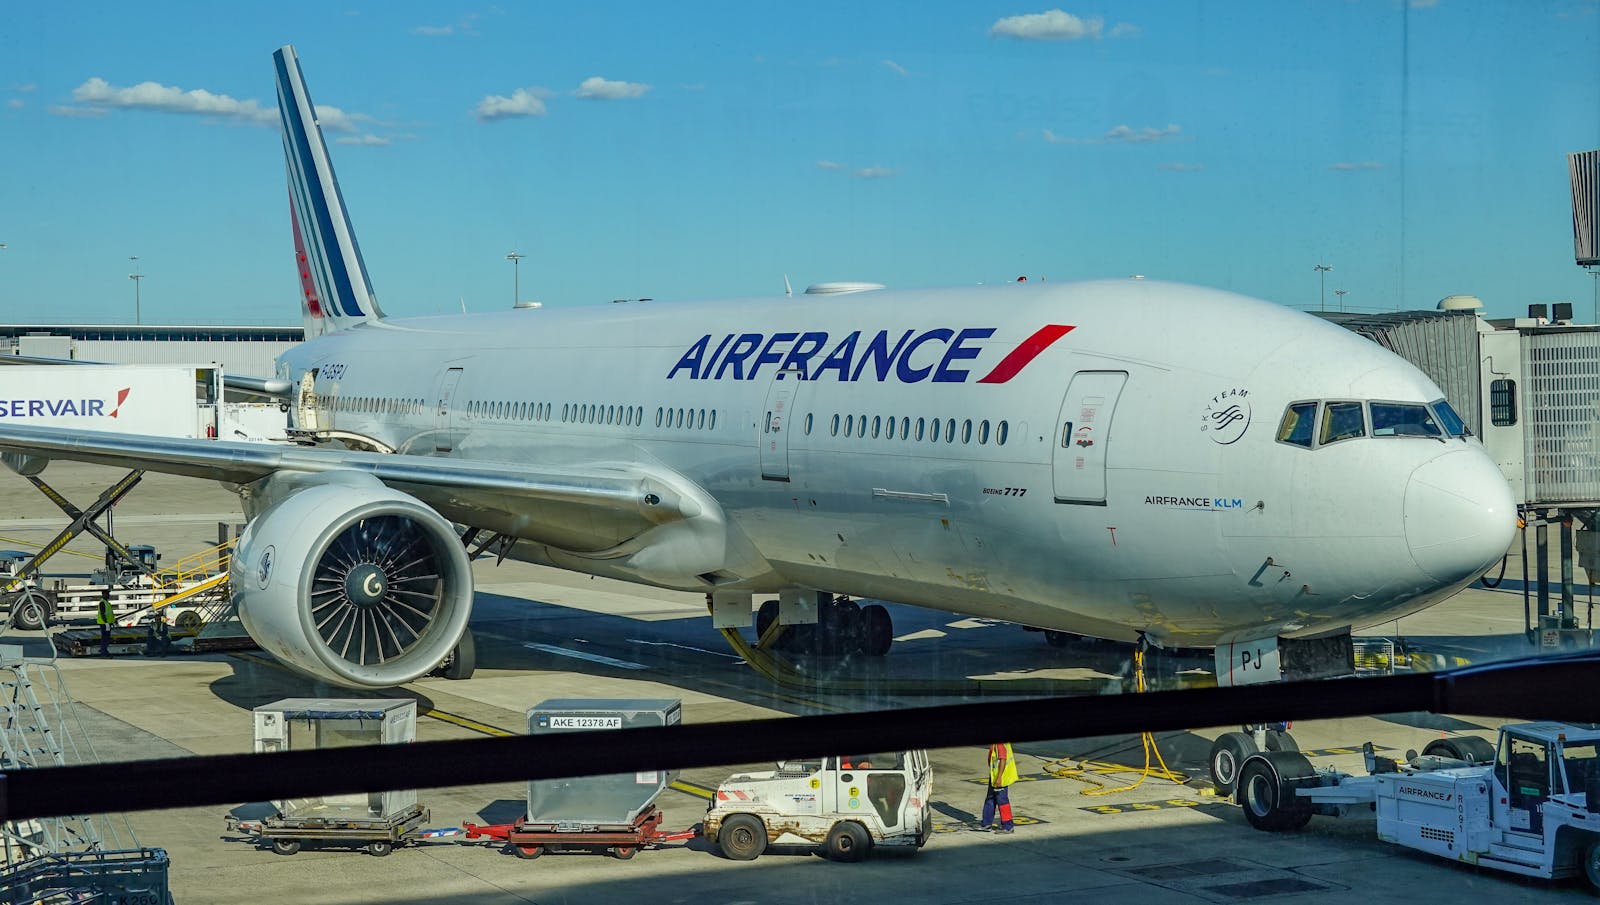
[155,400]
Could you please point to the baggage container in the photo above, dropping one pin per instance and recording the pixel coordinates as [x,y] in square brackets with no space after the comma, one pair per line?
[299,724]
[616,800]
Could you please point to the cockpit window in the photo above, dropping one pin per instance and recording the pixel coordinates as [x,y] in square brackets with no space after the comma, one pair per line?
[1296,427]
[1342,421]
[1394,419]
[1453,425]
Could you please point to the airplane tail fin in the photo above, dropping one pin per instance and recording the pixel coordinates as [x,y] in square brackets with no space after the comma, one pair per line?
[335,290]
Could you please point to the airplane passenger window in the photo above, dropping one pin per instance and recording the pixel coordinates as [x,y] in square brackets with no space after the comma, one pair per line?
[921,425]
[849,425]
[1296,426]
[983,432]
[905,427]
[808,422]
[834,430]
[1341,421]
[658,416]
[877,425]
[1393,419]
[966,431]
[1453,425]
[713,424]
[1000,432]
[700,422]
[679,423]
[950,431]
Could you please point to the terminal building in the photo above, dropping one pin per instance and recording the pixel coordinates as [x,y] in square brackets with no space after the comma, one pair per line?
[244,351]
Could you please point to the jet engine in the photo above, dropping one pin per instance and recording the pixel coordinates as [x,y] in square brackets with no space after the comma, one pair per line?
[352,582]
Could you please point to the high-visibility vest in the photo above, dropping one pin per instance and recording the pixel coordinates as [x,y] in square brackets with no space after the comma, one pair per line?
[1002,765]
[105,616]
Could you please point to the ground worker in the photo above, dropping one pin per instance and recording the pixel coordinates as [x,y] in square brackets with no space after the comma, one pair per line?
[105,617]
[1002,773]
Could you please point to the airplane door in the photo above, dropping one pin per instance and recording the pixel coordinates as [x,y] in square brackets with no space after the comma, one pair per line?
[1083,431]
[444,439]
[776,424]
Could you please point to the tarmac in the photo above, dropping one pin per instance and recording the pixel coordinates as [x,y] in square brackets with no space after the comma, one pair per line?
[544,634]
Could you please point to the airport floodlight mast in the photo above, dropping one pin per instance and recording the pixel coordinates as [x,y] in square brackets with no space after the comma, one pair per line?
[136,277]
[1341,293]
[1322,274]
[516,265]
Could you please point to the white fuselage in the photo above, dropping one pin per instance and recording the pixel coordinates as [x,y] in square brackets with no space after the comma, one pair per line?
[1170,515]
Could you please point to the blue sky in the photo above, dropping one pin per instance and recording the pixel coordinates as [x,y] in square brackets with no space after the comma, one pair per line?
[706,150]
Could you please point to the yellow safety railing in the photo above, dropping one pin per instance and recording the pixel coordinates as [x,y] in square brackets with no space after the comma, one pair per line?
[201,566]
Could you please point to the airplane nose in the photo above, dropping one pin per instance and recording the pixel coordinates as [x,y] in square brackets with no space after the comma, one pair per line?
[1460,516]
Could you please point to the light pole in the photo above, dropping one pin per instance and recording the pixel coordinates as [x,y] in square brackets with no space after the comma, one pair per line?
[1341,294]
[516,266]
[136,277]
[1322,275]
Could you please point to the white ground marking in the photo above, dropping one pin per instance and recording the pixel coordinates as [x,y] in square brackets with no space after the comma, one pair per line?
[582,655]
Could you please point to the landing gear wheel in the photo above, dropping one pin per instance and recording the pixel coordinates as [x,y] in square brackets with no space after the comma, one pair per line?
[286,846]
[463,661]
[1471,749]
[379,847]
[624,852]
[848,841]
[1278,740]
[879,629]
[1269,799]
[30,611]
[742,838]
[842,629]
[527,852]
[765,616]
[1228,753]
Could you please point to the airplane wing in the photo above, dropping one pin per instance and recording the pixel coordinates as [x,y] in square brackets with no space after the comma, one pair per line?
[579,509]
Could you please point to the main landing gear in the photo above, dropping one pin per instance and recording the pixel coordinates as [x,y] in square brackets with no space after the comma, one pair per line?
[843,628]
[1230,749]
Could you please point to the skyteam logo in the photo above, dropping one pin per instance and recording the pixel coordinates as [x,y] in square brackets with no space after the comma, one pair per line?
[57,408]
[939,355]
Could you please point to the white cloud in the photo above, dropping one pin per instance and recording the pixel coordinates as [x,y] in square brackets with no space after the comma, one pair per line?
[874,173]
[1347,166]
[1182,167]
[336,120]
[596,88]
[1126,30]
[1423,4]
[369,140]
[896,68]
[433,31]
[829,165]
[27,89]
[100,94]
[1053,25]
[522,102]
[1122,135]
[14,104]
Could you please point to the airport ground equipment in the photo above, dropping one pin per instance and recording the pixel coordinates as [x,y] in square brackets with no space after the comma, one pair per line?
[1529,806]
[615,812]
[375,822]
[134,877]
[530,840]
[845,804]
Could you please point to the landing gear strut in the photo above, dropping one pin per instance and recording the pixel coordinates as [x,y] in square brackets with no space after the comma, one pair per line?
[843,628]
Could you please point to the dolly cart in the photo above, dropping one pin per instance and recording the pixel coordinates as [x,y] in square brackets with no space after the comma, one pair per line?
[530,840]
[286,835]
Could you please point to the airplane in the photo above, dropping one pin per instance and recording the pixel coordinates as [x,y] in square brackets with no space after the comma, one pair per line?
[1124,459]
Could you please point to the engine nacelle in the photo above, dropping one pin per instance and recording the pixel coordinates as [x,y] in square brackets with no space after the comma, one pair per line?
[352,582]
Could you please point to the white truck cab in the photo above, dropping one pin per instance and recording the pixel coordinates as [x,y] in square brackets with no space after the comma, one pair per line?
[1529,806]
[847,804]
